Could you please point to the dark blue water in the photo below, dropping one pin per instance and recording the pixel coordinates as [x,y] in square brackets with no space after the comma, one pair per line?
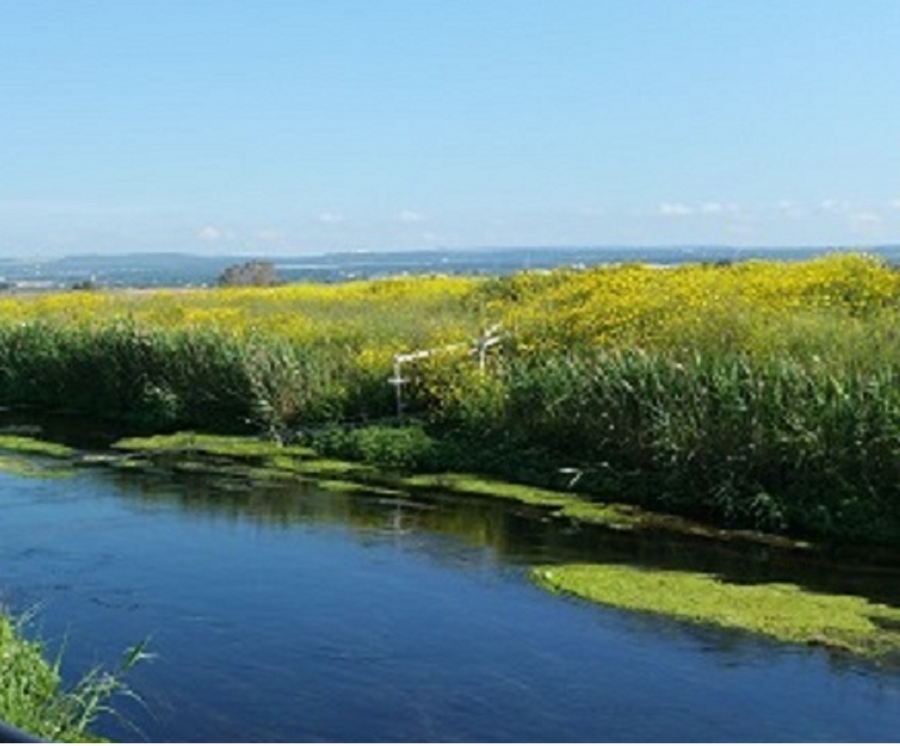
[297,615]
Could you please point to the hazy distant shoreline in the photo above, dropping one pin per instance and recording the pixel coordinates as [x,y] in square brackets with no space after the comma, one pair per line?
[172,269]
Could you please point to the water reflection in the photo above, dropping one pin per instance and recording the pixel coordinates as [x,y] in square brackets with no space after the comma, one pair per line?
[517,533]
[514,533]
[282,612]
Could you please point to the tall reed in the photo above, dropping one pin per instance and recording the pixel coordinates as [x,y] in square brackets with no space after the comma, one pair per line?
[762,394]
[778,445]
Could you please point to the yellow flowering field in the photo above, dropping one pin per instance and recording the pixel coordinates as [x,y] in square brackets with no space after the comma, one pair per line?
[761,394]
[632,305]
[752,306]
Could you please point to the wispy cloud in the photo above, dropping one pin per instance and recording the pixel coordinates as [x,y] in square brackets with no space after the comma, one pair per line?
[835,205]
[675,209]
[331,217]
[410,216]
[210,234]
[711,208]
[865,218]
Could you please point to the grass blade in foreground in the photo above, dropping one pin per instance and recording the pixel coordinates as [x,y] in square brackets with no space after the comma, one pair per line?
[32,696]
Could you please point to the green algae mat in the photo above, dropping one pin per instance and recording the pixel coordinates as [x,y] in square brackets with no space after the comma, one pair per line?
[780,611]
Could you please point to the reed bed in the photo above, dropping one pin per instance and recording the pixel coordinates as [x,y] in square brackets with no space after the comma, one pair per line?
[762,394]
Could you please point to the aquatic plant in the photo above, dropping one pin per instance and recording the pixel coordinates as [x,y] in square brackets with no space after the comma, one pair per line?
[782,611]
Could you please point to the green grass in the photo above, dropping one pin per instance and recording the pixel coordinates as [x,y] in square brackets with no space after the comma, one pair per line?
[279,462]
[348,488]
[779,611]
[217,445]
[34,699]
[23,467]
[16,450]
[33,446]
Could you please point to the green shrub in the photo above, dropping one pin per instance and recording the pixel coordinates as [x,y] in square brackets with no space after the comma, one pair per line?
[402,449]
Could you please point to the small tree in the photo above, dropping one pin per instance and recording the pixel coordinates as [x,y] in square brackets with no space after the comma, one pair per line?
[256,273]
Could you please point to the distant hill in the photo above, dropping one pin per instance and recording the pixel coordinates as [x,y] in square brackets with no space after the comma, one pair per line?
[165,269]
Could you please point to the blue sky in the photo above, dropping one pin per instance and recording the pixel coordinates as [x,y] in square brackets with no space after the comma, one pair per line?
[290,127]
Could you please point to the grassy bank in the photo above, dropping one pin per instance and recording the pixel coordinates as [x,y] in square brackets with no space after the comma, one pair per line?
[34,699]
[761,395]
[374,469]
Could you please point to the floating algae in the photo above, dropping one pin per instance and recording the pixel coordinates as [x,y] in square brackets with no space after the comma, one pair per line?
[781,611]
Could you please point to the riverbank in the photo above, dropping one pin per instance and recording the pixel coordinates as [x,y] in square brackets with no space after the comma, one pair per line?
[783,611]
[237,457]
[29,687]
[757,396]
[751,403]
[34,699]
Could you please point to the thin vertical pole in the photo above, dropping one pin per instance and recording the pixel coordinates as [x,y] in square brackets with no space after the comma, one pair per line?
[398,382]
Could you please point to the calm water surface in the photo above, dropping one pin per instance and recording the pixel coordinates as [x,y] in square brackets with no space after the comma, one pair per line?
[298,615]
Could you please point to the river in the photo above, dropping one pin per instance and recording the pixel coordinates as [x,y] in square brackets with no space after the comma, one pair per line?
[294,614]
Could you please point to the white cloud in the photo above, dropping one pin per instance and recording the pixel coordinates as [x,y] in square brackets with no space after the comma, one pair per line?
[712,208]
[331,217]
[894,204]
[835,205]
[676,209]
[210,233]
[865,218]
[410,216]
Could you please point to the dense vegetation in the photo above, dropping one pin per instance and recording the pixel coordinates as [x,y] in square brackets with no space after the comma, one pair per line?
[761,394]
[254,273]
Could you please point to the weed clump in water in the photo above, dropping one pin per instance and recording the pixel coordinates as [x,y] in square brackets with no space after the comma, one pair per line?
[780,611]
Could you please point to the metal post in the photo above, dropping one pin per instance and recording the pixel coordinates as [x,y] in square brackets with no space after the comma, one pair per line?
[490,338]
[397,382]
